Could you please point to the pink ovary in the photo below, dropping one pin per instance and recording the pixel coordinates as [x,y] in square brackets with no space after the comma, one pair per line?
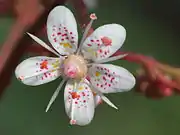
[70,71]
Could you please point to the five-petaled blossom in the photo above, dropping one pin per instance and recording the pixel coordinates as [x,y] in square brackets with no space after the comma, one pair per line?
[87,79]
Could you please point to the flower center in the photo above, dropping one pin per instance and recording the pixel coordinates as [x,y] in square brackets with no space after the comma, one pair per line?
[75,67]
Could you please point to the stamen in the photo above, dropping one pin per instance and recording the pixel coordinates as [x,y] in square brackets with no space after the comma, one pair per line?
[93,17]
[109,59]
[73,104]
[54,96]
[43,44]
[72,110]
[104,98]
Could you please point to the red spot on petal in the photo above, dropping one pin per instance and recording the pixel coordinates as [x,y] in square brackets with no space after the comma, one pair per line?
[45,74]
[44,64]
[55,40]
[89,44]
[59,33]
[92,40]
[106,41]
[74,95]
[112,79]
[83,94]
[100,50]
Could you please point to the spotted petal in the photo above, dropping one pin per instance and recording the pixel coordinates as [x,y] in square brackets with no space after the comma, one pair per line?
[108,78]
[79,103]
[62,30]
[97,98]
[104,42]
[38,70]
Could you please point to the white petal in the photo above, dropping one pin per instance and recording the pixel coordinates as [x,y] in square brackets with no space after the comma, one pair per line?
[104,42]
[108,78]
[38,70]
[97,98]
[62,30]
[79,103]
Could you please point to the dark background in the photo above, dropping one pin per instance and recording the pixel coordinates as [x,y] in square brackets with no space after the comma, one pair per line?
[152,29]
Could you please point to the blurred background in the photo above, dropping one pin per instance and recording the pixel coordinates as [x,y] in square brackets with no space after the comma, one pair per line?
[152,29]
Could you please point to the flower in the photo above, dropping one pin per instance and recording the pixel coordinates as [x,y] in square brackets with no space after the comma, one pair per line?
[87,79]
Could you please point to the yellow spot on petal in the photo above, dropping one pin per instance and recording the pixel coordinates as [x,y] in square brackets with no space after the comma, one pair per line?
[55,65]
[81,88]
[92,51]
[66,45]
[98,73]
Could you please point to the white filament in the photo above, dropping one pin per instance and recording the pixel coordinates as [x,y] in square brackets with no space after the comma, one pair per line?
[85,35]
[54,96]
[43,44]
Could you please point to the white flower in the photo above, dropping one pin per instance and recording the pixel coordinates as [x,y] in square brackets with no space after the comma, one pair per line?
[75,64]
